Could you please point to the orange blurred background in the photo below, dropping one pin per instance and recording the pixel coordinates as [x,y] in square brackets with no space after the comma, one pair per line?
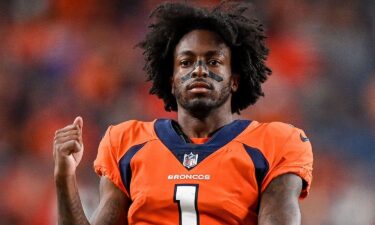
[63,58]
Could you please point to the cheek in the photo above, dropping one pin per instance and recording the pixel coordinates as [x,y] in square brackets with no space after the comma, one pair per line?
[175,85]
[172,81]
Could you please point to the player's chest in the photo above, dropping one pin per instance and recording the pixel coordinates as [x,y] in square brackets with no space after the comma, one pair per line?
[191,184]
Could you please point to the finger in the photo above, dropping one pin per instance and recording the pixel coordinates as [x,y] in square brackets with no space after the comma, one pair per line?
[67,133]
[70,147]
[67,128]
[62,140]
[78,121]
[77,124]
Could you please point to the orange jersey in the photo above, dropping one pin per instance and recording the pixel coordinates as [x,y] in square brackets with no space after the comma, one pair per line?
[219,181]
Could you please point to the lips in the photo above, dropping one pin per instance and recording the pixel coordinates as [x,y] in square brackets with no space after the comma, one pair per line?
[199,84]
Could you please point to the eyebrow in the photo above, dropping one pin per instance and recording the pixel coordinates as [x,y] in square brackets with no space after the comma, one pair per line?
[208,53]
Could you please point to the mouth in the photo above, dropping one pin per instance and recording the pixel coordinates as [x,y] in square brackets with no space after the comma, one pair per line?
[199,85]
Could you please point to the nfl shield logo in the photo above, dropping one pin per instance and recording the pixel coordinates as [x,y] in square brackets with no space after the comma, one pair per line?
[190,160]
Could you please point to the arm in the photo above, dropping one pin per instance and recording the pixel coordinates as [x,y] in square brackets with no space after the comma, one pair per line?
[70,211]
[279,202]
[68,151]
[113,206]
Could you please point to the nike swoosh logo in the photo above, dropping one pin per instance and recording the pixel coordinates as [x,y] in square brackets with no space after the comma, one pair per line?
[304,139]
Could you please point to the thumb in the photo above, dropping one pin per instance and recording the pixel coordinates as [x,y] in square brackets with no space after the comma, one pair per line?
[78,121]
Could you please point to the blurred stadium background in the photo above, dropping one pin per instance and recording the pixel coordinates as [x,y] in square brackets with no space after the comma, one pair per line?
[62,58]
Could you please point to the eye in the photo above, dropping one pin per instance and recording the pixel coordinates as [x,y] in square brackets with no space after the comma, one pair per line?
[185,63]
[213,62]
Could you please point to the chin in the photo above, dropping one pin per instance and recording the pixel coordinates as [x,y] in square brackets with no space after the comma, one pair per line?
[199,107]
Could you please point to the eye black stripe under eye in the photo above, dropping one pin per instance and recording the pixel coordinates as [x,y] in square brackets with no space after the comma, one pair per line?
[211,74]
[215,76]
[187,76]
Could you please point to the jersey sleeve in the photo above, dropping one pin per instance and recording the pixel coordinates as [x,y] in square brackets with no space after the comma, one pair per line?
[294,156]
[106,162]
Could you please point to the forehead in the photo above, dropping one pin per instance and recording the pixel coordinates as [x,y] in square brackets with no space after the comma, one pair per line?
[200,42]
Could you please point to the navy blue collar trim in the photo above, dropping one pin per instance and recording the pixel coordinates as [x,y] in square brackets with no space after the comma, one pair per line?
[170,138]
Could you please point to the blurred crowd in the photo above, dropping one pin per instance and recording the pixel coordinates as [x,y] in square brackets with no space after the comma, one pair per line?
[63,58]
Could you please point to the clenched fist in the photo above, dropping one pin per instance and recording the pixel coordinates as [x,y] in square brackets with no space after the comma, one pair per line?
[68,148]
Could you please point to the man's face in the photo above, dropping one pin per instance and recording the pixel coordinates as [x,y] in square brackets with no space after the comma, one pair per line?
[202,78]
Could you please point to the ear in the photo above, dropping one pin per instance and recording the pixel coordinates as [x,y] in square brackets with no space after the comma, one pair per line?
[235,82]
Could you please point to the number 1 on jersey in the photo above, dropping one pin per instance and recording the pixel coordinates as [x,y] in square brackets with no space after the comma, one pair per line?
[186,196]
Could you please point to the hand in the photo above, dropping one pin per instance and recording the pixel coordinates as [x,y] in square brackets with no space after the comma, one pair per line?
[68,148]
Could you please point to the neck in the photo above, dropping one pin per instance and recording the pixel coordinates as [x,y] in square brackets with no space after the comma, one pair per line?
[200,127]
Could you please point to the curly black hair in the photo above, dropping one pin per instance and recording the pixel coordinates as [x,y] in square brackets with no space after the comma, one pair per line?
[244,36]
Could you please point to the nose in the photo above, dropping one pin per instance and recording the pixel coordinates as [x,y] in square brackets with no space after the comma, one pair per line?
[200,69]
